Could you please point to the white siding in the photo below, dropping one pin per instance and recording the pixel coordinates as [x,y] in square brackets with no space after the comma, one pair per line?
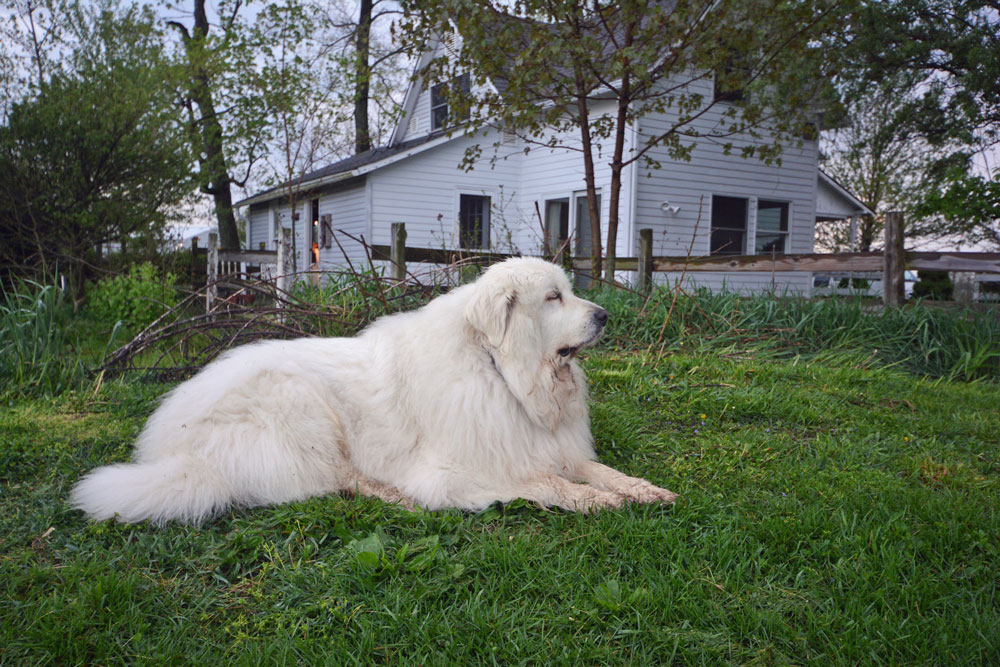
[423,190]
[259,228]
[558,173]
[690,185]
[348,211]
[832,204]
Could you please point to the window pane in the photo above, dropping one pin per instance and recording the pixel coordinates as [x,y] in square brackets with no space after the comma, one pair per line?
[729,223]
[583,235]
[772,216]
[769,243]
[556,222]
[727,242]
[438,95]
[473,221]
[439,117]
[729,212]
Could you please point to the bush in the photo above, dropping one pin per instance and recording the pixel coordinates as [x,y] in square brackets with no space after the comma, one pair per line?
[934,285]
[135,298]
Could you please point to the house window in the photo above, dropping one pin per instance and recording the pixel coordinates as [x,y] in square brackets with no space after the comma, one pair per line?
[730,79]
[440,118]
[556,223]
[729,225]
[772,226]
[473,221]
[583,229]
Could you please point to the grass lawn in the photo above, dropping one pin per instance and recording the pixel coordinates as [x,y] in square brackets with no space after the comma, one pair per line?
[832,512]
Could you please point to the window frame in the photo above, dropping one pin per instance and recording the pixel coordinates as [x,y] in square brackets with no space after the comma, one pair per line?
[744,231]
[487,213]
[785,221]
[439,101]
[557,230]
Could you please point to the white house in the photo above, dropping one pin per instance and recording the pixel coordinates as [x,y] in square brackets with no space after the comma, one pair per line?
[713,203]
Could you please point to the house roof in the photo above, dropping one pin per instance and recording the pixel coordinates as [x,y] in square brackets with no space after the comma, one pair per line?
[355,165]
[843,194]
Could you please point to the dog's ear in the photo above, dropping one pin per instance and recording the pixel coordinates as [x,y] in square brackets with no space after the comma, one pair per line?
[490,308]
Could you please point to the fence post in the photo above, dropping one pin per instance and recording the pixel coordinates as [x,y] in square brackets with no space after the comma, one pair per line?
[645,267]
[893,275]
[211,286]
[282,278]
[397,252]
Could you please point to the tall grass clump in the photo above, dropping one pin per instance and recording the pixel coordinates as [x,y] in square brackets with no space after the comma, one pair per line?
[930,340]
[35,352]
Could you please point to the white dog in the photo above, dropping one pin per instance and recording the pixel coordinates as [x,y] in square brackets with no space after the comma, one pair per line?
[475,398]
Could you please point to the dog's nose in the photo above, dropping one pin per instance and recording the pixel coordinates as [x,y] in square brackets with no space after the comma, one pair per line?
[601,316]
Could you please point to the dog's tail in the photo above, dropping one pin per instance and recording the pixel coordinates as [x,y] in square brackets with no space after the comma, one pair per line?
[171,488]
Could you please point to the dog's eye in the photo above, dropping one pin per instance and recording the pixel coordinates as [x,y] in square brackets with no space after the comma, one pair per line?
[554,296]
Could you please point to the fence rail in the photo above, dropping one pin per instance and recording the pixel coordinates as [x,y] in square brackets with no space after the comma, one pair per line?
[891,263]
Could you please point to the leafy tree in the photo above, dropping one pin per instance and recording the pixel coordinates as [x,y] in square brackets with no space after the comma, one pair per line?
[880,156]
[97,153]
[373,67]
[593,69]
[949,51]
[969,206]
[227,116]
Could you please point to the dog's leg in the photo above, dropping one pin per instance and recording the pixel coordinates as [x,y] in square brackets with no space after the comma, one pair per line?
[551,490]
[633,488]
[362,486]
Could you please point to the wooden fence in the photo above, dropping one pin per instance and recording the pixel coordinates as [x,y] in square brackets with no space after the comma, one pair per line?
[228,270]
[891,263]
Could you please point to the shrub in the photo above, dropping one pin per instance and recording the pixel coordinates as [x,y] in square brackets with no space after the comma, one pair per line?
[135,298]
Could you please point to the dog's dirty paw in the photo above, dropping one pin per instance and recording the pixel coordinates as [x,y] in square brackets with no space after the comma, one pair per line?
[601,500]
[640,491]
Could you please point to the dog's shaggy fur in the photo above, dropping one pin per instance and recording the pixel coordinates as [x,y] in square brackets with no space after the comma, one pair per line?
[474,398]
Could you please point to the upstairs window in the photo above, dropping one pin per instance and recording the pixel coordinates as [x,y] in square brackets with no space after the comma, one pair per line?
[729,225]
[772,226]
[473,222]
[731,78]
[440,116]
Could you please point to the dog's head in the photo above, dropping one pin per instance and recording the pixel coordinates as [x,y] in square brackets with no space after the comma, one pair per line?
[526,315]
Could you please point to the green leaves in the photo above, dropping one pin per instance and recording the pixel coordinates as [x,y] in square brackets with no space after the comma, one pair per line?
[380,556]
[96,152]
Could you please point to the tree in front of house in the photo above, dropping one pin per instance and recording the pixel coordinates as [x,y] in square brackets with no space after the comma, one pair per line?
[95,152]
[228,124]
[947,52]
[878,154]
[579,74]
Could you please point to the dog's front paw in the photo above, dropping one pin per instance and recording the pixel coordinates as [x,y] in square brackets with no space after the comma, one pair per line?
[596,500]
[640,491]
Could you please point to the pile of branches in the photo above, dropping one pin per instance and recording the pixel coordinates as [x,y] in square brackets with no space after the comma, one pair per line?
[189,335]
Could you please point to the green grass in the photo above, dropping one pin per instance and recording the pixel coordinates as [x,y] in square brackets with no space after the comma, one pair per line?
[836,509]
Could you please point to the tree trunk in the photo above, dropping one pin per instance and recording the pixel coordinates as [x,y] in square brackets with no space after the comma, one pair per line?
[215,177]
[362,82]
[614,200]
[589,180]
